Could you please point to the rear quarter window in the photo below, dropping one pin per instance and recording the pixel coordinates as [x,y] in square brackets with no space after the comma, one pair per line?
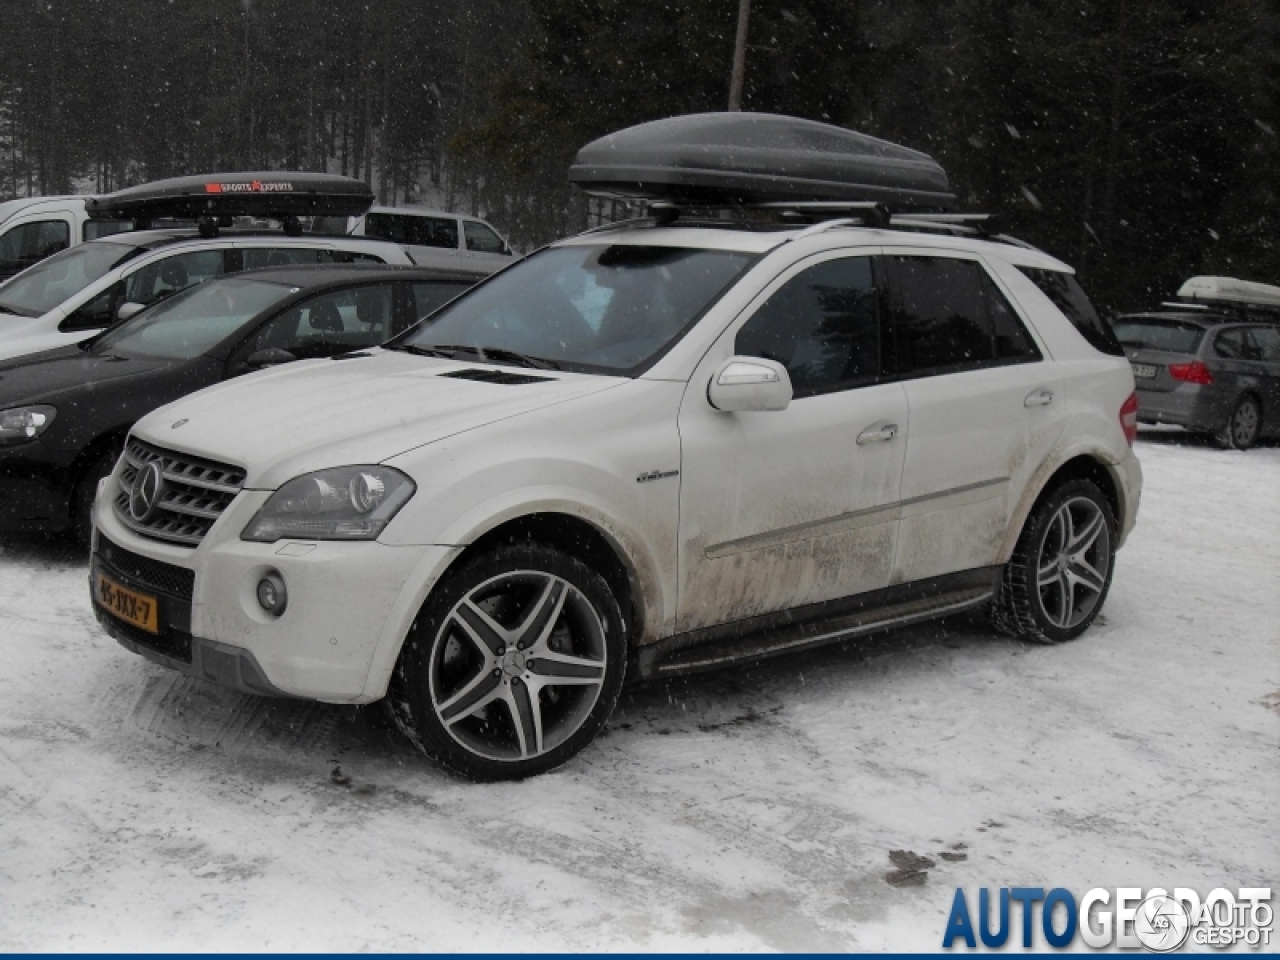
[1069,297]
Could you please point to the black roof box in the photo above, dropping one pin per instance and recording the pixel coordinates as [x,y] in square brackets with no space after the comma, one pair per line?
[264,194]
[748,158]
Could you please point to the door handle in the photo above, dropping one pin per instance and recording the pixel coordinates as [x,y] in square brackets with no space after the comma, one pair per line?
[878,434]
[1040,398]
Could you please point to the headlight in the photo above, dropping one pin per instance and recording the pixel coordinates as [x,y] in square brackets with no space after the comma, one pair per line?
[342,503]
[24,423]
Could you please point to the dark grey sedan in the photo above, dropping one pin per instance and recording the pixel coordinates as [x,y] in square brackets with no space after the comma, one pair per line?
[1208,372]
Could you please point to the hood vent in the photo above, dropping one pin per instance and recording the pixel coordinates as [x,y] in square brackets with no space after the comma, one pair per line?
[495,376]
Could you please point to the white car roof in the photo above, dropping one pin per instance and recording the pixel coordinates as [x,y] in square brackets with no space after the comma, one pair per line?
[11,207]
[416,211]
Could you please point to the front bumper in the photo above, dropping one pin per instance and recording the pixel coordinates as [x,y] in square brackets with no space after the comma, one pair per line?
[34,487]
[350,606]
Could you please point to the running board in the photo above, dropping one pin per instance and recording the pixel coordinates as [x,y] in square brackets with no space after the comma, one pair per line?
[755,640]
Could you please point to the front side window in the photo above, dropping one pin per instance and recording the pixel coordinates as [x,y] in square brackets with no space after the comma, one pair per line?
[1069,297]
[166,277]
[30,243]
[52,282]
[595,308]
[1268,343]
[1238,344]
[823,325]
[193,322]
[414,230]
[481,239]
[329,324]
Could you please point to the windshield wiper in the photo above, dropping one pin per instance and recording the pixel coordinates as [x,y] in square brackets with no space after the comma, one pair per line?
[507,356]
[450,351]
[418,351]
[11,311]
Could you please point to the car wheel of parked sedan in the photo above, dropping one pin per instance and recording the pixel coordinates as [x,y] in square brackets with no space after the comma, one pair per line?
[86,490]
[1055,583]
[1241,430]
[513,665]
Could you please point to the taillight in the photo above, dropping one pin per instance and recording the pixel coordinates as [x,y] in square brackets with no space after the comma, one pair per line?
[1194,372]
[1129,418]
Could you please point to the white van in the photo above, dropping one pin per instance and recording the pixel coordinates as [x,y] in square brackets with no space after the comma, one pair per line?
[33,228]
[434,238]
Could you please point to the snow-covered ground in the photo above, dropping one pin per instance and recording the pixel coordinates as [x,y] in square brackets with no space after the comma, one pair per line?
[749,809]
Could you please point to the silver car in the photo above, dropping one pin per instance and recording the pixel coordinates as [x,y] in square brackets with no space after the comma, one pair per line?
[1207,371]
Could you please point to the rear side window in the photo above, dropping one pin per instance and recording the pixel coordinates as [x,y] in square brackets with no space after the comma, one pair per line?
[413,230]
[822,325]
[947,315]
[1069,297]
[1171,336]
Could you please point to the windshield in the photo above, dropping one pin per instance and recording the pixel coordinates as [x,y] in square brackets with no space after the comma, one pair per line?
[609,309]
[192,322]
[1173,336]
[50,283]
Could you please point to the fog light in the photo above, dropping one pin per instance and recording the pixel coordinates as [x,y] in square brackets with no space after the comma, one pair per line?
[272,594]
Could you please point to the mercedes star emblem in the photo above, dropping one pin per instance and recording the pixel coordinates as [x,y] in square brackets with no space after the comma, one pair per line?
[147,488]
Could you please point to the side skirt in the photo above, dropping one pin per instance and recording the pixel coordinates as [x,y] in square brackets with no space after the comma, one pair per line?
[817,624]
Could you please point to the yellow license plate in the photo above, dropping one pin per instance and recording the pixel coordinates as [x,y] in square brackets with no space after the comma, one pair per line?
[136,608]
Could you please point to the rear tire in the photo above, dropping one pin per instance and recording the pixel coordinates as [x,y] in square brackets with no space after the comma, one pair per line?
[513,665]
[1054,585]
[1243,426]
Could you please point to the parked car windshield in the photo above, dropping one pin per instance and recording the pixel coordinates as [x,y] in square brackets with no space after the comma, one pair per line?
[598,308]
[52,282]
[1173,336]
[190,323]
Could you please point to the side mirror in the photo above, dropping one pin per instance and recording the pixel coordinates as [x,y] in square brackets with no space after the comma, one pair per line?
[130,309]
[750,383]
[270,357]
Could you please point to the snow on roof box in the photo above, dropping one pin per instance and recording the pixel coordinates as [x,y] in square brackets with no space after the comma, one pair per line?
[274,195]
[707,158]
[1230,290]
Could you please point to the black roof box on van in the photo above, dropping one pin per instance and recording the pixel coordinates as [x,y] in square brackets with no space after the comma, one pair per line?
[750,158]
[264,194]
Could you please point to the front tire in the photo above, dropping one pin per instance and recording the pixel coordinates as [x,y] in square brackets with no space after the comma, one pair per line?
[1243,427]
[1054,585]
[513,666]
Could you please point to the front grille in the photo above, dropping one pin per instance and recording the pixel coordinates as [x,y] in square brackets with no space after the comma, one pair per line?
[165,577]
[192,495]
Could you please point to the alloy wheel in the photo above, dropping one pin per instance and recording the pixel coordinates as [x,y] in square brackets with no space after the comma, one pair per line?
[1244,424]
[1073,562]
[518,665]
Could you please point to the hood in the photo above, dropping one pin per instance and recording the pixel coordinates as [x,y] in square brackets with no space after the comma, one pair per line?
[306,416]
[43,377]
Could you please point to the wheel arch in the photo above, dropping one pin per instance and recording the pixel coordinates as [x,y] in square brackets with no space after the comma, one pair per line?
[572,526]
[1088,465]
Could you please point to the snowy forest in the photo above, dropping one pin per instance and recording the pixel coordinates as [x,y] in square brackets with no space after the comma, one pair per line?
[1136,139]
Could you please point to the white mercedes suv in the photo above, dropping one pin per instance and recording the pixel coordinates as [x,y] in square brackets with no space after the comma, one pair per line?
[643,450]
